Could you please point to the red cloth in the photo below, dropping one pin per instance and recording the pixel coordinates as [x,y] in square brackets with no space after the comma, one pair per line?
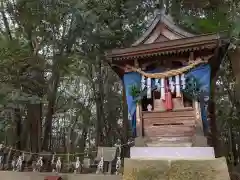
[168,97]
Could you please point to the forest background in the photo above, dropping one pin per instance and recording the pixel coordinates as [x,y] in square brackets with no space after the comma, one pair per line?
[58,94]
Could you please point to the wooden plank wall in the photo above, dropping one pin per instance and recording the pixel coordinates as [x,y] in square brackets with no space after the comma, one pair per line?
[177,124]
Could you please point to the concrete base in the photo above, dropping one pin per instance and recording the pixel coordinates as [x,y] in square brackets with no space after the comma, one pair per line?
[172,153]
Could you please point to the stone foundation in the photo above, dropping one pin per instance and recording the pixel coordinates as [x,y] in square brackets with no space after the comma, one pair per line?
[204,169]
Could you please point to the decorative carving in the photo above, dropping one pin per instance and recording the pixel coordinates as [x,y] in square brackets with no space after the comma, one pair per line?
[78,166]
[58,165]
[100,166]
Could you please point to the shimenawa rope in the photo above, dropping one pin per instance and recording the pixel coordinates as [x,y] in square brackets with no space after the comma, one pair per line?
[170,73]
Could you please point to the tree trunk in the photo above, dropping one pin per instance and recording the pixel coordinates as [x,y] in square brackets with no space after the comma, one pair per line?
[126,126]
[52,95]
[235,61]
[212,117]
[18,121]
[99,104]
[34,117]
[82,142]
[26,125]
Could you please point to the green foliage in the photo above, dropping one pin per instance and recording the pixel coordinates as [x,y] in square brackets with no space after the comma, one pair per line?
[70,35]
[193,88]
[134,91]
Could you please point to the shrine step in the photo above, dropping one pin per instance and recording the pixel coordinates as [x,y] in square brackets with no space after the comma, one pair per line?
[169,142]
[170,139]
[172,153]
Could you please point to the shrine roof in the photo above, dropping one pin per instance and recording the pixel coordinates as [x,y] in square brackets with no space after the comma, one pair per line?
[162,19]
[164,37]
[209,41]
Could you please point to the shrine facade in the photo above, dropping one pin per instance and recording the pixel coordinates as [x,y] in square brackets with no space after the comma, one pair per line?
[167,75]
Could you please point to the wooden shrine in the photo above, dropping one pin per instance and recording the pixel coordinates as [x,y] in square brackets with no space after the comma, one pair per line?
[164,45]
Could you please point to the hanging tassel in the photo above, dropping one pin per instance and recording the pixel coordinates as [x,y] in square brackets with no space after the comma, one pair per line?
[178,92]
[171,83]
[158,85]
[162,89]
[143,83]
[183,81]
[149,88]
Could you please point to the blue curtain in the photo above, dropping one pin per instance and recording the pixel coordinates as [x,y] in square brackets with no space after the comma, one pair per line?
[129,80]
[202,74]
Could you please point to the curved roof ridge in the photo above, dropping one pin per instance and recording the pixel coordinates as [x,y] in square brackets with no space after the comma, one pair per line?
[161,17]
[168,20]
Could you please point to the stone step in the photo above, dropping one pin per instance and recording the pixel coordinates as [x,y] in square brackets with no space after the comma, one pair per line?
[169,144]
[172,153]
[171,139]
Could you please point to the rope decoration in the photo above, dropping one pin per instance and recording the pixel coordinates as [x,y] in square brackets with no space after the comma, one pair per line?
[173,72]
[17,164]
[58,154]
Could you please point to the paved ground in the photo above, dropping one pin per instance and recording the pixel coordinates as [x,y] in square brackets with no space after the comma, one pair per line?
[8,175]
